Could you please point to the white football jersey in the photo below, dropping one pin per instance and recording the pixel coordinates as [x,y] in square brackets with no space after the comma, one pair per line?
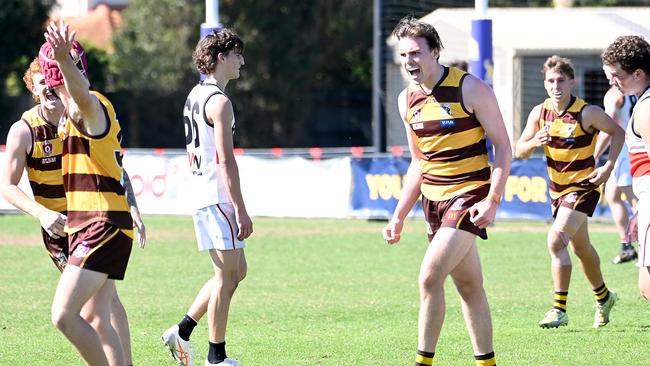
[207,187]
[639,162]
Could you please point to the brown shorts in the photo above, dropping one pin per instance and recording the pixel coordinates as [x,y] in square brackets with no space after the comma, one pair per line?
[57,249]
[454,212]
[582,201]
[101,247]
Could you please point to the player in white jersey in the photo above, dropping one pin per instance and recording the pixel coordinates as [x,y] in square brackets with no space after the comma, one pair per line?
[627,60]
[220,218]
[619,184]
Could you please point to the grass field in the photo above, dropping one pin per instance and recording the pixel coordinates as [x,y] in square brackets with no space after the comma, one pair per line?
[329,292]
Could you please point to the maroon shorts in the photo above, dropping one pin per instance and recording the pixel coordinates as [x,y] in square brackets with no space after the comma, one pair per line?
[101,247]
[454,212]
[582,201]
[57,249]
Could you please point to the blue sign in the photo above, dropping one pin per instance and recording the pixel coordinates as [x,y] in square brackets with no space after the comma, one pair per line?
[377,187]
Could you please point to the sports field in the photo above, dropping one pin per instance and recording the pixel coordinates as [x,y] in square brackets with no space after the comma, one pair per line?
[329,292]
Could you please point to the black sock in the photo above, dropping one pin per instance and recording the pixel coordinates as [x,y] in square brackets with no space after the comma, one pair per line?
[216,352]
[626,246]
[185,327]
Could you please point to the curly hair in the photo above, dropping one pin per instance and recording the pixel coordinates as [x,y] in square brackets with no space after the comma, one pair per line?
[34,68]
[561,63]
[223,41]
[631,52]
[409,27]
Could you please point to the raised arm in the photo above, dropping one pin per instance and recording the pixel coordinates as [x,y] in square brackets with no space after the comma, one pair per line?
[220,113]
[86,106]
[19,142]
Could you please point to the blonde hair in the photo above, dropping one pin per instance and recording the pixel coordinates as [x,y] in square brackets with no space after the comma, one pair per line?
[34,68]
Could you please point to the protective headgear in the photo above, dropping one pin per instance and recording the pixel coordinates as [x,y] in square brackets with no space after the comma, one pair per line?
[50,68]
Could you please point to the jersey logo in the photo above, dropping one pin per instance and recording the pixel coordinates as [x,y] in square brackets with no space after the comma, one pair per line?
[448,123]
[194,160]
[418,126]
[47,148]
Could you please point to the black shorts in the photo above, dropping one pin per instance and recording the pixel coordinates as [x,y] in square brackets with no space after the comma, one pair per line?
[454,212]
[101,247]
[582,201]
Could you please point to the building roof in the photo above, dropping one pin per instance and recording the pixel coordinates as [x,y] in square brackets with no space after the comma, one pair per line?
[530,30]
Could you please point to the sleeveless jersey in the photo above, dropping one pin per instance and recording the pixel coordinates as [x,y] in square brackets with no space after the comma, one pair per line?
[570,153]
[92,174]
[44,162]
[629,101]
[451,138]
[207,187]
[639,161]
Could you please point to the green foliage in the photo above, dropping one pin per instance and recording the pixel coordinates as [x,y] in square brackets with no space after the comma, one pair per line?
[21,34]
[154,45]
[329,292]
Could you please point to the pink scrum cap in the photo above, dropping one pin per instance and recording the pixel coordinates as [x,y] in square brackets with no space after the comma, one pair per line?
[50,67]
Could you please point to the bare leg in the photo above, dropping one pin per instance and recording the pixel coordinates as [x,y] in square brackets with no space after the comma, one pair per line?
[229,269]
[616,205]
[99,309]
[118,320]
[76,286]
[644,282]
[200,304]
[468,279]
[588,256]
[445,252]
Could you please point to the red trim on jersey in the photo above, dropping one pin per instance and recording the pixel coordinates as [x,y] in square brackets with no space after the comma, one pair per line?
[216,157]
[232,232]
[639,164]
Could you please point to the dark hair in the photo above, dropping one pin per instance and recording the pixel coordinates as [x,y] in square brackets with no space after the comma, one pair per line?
[460,64]
[411,27]
[631,52]
[562,63]
[222,40]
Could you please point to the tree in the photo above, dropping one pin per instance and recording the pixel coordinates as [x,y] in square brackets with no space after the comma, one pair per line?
[21,34]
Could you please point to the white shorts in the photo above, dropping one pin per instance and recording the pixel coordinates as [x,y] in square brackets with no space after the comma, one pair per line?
[641,189]
[216,228]
[621,175]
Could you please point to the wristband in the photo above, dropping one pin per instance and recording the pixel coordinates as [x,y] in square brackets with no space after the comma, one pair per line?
[494,197]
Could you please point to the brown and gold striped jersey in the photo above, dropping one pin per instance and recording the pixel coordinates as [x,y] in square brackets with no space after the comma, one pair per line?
[570,153]
[44,162]
[450,137]
[92,173]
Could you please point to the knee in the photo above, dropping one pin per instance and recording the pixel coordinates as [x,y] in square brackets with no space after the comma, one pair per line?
[430,283]
[557,240]
[645,293]
[467,289]
[241,274]
[60,319]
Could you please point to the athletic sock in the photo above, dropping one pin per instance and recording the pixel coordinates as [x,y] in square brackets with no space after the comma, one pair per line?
[626,246]
[216,352]
[602,294]
[185,327]
[424,358]
[487,359]
[559,300]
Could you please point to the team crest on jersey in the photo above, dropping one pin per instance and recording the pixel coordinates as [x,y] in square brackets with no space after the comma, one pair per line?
[571,197]
[81,250]
[445,110]
[47,148]
[418,126]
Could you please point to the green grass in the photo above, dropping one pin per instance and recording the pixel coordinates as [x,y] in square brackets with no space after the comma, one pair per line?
[328,292]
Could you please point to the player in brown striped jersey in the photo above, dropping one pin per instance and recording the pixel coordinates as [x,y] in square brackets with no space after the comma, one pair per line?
[567,127]
[99,223]
[33,146]
[447,114]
